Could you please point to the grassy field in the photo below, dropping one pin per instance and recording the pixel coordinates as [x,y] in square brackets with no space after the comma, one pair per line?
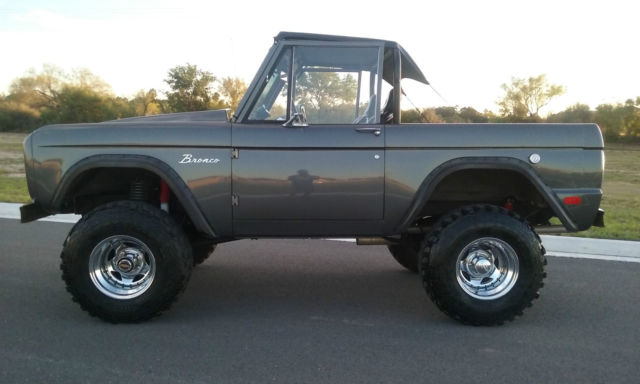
[621,200]
[13,186]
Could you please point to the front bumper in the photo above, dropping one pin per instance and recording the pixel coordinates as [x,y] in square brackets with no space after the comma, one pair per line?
[32,212]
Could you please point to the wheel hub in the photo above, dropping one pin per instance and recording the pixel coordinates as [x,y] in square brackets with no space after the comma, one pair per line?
[125,265]
[487,268]
[479,263]
[128,260]
[122,267]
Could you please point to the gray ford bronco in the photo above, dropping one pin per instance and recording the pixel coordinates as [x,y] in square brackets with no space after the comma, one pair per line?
[316,148]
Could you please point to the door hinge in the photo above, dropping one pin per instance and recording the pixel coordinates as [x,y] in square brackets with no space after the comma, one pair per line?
[234,200]
[235,153]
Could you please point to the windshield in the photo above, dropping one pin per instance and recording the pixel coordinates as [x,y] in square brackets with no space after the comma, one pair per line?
[272,103]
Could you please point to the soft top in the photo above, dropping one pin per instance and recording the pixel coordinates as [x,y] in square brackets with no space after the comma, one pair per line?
[410,69]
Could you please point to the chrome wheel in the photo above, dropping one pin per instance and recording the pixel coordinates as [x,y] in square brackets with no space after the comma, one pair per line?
[487,268]
[122,267]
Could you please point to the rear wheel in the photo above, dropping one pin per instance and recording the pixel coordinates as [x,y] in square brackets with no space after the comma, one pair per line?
[482,265]
[126,261]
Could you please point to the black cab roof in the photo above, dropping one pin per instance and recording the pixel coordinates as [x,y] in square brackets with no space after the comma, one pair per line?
[410,69]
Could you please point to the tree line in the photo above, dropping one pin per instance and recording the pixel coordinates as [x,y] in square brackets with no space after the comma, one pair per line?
[522,101]
[52,96]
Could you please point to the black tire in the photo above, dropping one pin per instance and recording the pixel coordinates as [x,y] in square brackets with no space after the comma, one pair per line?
[202,251]
[464,264]
[406,253]
[121,237]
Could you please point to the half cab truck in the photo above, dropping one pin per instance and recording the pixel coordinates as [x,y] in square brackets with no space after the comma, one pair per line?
[316,148]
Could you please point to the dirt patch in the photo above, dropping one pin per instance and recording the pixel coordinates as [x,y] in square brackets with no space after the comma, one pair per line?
[11,163]
[10,154]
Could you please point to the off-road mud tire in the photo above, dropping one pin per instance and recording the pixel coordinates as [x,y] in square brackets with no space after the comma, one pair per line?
[202,251]
[151,227]
[444,246]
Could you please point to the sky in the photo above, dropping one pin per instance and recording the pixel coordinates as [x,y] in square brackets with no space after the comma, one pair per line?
[466,49]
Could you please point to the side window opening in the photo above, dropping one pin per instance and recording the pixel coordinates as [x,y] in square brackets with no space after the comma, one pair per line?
[336,85]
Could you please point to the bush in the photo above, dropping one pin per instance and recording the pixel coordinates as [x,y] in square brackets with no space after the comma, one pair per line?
[16,117]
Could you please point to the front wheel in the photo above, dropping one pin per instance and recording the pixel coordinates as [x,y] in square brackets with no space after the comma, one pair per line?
[126,261]
[202,251]
[482,265]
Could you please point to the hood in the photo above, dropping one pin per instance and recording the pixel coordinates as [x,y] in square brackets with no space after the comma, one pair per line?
[181,117]
[210,128]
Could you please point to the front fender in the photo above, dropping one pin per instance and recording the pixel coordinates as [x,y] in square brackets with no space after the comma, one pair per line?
[148,163]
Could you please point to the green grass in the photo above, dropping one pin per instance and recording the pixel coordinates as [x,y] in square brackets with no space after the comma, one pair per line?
[13,185]
[13,189]
[621,200]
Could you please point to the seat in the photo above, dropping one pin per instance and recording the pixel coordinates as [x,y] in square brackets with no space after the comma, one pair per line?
[386,117]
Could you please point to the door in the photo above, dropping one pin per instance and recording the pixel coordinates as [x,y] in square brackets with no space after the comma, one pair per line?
[311,148]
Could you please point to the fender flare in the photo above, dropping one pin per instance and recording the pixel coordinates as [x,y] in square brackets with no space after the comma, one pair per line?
[148,163]
[433,179]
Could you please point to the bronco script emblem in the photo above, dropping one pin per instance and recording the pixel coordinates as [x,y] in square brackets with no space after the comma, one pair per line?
[188,158]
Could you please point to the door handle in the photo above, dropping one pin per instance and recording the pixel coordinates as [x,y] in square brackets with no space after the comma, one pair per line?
[375,131]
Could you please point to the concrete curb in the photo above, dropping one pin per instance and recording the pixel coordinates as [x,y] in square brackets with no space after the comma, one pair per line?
[560,246]
[564,246]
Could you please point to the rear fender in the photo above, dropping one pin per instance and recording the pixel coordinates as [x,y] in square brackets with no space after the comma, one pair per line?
[428,186]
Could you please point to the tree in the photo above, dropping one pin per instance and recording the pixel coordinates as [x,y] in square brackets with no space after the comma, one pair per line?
[619,120]
[52,96]
[631,117]
[37,90]
[232,89]
[449,114]
[470,115]
[146,103]
[321,90]
[577,113]
[524,98]
[84,79]
[329,97]
[75,104]
[609,120]
[427,115]
[15,117]
[190,89]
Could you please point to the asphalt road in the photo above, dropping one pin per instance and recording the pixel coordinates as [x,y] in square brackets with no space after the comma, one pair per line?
[311,311]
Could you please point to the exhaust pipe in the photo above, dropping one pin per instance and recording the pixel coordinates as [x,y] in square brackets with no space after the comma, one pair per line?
[373,241]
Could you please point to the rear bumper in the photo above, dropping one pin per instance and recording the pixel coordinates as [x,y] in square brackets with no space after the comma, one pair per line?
[582,208]
[32,212]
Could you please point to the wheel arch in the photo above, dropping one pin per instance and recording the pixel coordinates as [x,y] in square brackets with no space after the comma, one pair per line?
[145,163]
[451,167]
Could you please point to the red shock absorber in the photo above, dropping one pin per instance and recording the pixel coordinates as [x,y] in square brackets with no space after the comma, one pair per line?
[509,203]
[164,196]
